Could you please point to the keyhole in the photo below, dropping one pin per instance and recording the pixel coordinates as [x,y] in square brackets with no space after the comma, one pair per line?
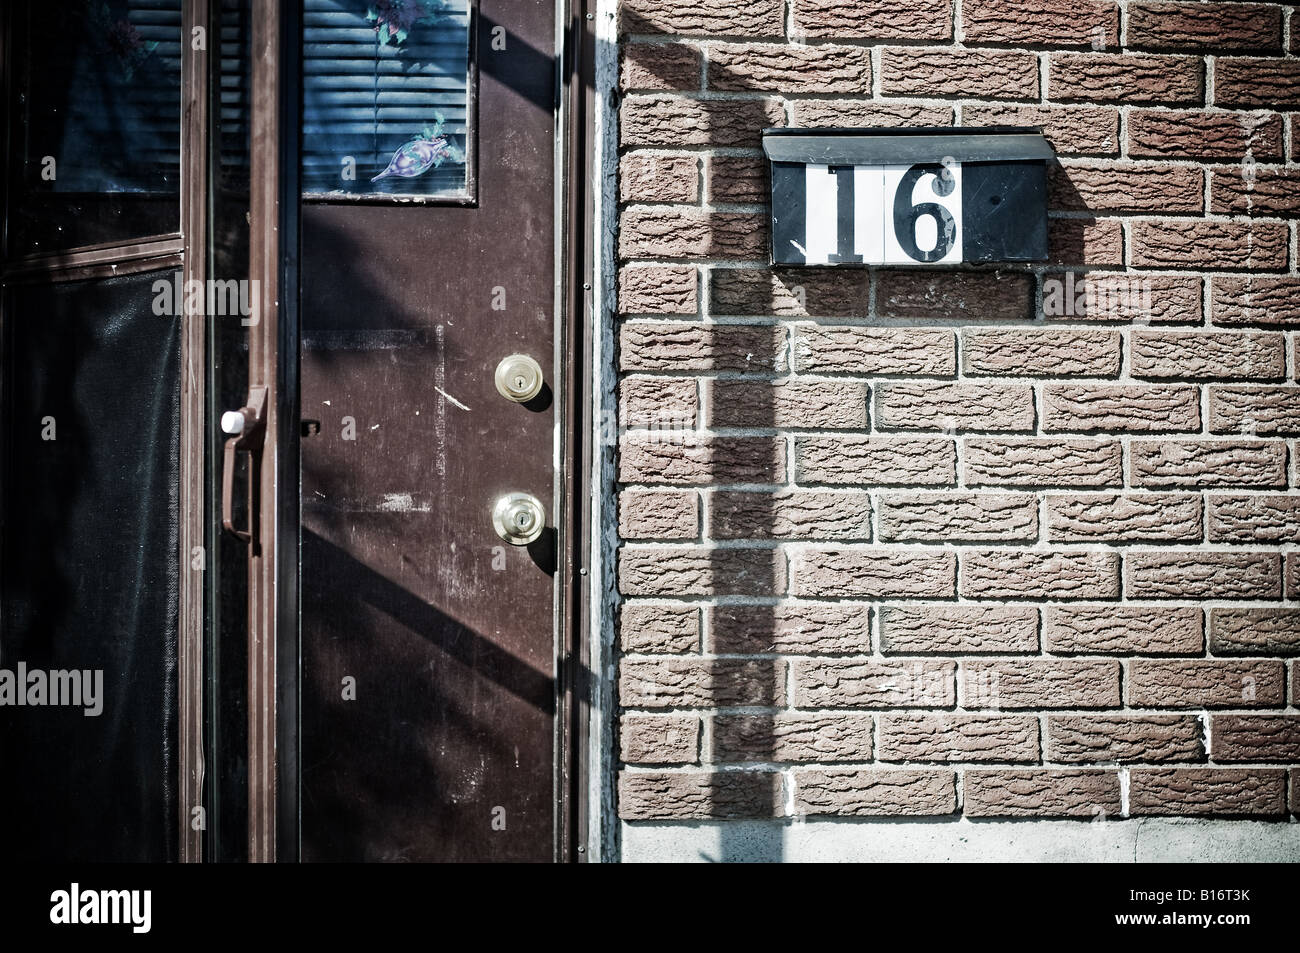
[519,383]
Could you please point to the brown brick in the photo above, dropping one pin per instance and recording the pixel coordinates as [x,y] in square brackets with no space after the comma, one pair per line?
[936,406]
[966,296]
[1072,130]
[1274,631]
[790,514]
[656,177]
[676,121]
[799,402]
[1255,519]
[697,459]
[1057,22]
[661,66]
[964,629]
[867,112]
[1204,683]
[1255,738]
[658,514]
[977,74]
[1040,683]
[660,739]
[1256,410]
[1086,407]
[1123,738]
[794,736]
[853,683]
[1108,77]
[688,795]
[1224,355]
[1162,189]
[1129,518]
[1085,241]
[1041,793]
[822,292]
[702,17]
[789,68]
[1212,27]
[875,461]
[1204,463]
[1219,245]
[1149,630]
[663,346]
[1200,575]
[657,402]
[799,628]
[683,682]
[1009,574]
[659,627]
[681,232]
[700,571]
[1132,298]
[1267,192]
[849,792]
[871,20]
[924,737]
[657,289]
[1293,575]
[958,517]
[1256,81]
[1043,462]
[874,351]
[1256,299]
[1043,352]
[1193,791]
[873,573]
[1195,135]
[736,178]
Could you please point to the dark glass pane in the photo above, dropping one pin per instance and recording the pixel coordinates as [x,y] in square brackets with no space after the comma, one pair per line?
[96,122]
[89,568]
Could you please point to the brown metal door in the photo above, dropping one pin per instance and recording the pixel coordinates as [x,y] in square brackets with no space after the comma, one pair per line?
[428,705]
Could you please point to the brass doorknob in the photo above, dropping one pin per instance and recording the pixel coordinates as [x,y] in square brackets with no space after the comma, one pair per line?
[519,518]
[519,378]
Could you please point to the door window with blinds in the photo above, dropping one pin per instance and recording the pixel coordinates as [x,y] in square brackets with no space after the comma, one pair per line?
[388,97]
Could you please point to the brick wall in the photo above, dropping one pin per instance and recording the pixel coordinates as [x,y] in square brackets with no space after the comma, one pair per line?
[987,541]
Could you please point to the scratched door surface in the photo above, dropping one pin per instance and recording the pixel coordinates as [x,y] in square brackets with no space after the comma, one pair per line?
[428,642]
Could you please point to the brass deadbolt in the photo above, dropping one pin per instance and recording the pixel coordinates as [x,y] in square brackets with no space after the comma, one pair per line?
[519,518]
[519,378]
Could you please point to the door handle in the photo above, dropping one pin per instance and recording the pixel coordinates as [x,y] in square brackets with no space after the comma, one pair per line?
[247,427]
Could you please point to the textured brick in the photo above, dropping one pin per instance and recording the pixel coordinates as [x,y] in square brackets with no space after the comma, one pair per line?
[660,739]
[798,628]
[790,514]
[680,232]
[656,177]
[1029,792]
[874,351]
[872,20]
[1071,130]
[875,573]
[1040,683]
[1086,407]
[702,17]
[958,629]
[673,121]
[1218,245]
[688,795]
[1204,683]
[658,514]
[958,517]
[1043,462]
[824,292]
[658,627]
[736,178]
[1255,410]
[1010,574]
[1265,191]
[1203,463]
[1251,82]
[965,296]
[1085,241]
[1123,738]
[849,792]
[982,74]
[660,66]
[700,571]
[1107,77]
[922,737]
[1058,22]
[1199,575]
[1255,738]
[867,112]
[851,683]
[936,406]
[1293,575]
[790,68]
[1161,189]
[696,459]
[1131,298]
[1212,27]
[1255,632]
[657,289]
[682,682]
[660,346]
[1193,135]
[875,461]
[792,737]
[1050,351]
[657,402]
[1149,630]
[800,402]
[1130,518]
[1255,519]
[1202,791]
[1223,355]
